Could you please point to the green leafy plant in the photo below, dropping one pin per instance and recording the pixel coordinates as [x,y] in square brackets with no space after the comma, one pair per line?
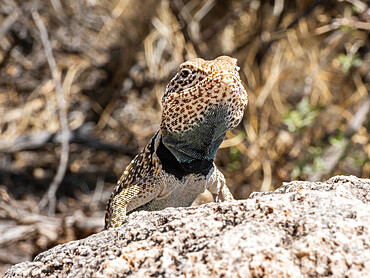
[313,161]
[348,61]
[338,139]
[302,117]
[310,163]
[235,159]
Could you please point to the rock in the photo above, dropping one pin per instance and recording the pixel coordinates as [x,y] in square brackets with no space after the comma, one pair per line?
[302,229]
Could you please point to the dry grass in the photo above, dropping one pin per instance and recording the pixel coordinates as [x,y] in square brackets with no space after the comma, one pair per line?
[306,65]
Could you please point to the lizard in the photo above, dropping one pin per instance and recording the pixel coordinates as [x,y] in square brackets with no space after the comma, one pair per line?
[204,100]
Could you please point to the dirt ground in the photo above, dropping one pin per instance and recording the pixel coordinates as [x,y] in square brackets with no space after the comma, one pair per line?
[305,64]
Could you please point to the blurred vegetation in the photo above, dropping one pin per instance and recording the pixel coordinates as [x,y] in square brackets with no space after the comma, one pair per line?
[305,64]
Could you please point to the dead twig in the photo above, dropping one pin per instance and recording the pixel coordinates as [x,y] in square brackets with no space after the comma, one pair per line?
[333,155]
[49,197]
[81,135]
[19,225]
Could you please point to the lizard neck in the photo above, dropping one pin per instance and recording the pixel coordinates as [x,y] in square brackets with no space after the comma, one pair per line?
[171,165]
[194,150]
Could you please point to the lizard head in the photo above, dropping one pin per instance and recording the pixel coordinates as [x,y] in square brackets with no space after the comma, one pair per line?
[202,102]
[199,87]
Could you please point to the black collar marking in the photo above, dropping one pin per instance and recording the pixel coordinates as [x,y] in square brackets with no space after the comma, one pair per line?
[179,170]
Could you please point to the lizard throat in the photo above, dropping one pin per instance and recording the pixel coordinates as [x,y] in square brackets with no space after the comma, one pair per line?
[194,150]
[172,166]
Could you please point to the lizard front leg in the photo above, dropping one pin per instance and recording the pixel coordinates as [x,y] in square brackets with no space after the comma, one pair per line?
[217,186]
[129,198]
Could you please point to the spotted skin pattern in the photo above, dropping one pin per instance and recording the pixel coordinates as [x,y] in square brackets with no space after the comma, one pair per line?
[198,86]
[160,176]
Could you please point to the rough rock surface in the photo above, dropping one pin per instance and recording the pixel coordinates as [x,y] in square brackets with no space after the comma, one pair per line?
[303,229]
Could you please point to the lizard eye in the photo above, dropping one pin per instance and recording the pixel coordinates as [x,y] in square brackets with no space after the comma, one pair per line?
[184,73]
